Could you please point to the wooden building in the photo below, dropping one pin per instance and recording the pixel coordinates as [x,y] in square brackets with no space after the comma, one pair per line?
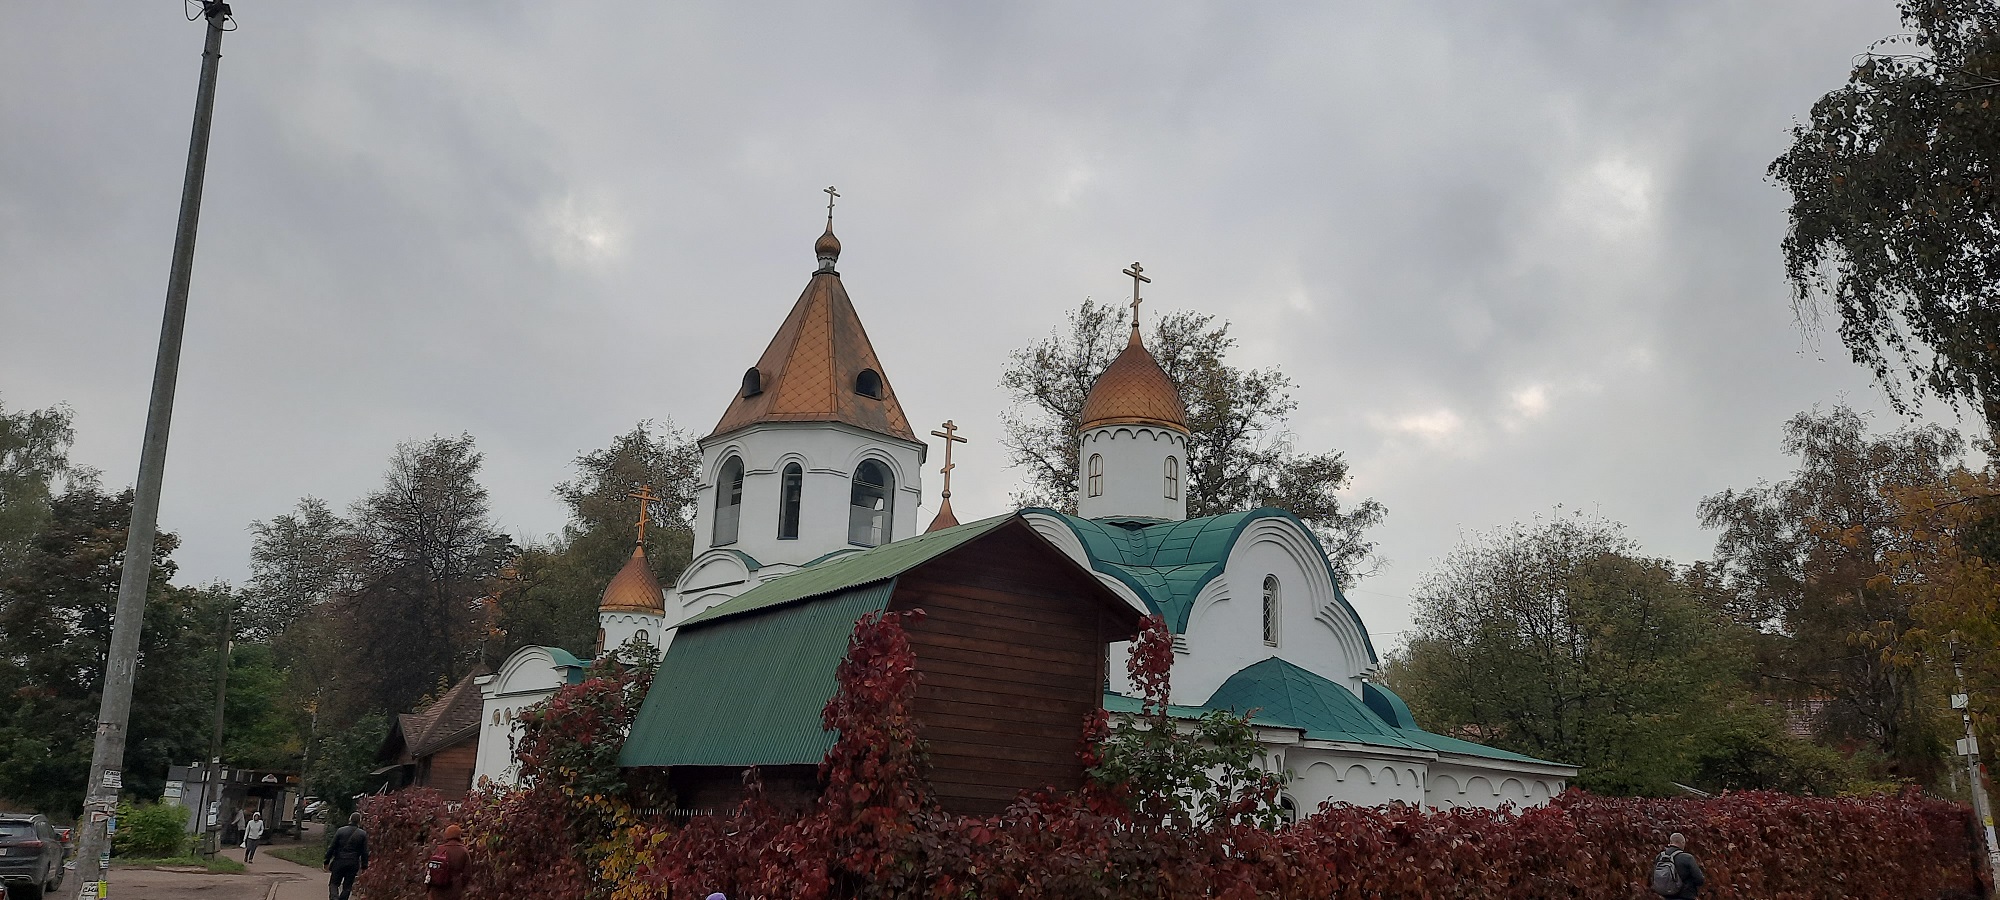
[1011,656]
[436,746]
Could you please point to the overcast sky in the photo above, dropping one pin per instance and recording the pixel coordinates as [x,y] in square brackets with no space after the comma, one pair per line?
[1516,255]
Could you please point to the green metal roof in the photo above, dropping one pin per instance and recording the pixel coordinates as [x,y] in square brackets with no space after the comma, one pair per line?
[565,658]
[748,689]
[1322,709]
[1282,695]
[1167,563]
[877,564]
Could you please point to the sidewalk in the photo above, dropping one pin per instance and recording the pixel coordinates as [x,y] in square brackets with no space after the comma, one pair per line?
[289,880]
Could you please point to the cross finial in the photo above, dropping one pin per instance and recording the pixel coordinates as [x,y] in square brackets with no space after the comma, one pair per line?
[950,435]
[831,193]
[1137,277]
[645,497]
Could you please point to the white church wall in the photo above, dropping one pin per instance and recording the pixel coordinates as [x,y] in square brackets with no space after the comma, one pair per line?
[526,678]
[827,454]
[1225,630]
[1132,472]
[1468,783]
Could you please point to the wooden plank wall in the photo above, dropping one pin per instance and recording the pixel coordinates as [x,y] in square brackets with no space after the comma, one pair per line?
[1011,650]
[449,771]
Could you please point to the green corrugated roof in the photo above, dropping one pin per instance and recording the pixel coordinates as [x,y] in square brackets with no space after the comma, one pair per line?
[878,564]
[1283,695]
[748,689]
[1167,563]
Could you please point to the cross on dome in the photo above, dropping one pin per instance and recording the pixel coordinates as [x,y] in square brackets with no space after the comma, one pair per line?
[645,497]
[950,435]
[1136,299]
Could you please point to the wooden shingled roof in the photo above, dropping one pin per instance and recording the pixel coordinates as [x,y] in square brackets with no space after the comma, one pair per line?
[809,372]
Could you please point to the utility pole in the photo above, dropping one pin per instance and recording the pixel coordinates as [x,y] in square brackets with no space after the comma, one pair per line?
[215,742]
[107,758]
[1975,772]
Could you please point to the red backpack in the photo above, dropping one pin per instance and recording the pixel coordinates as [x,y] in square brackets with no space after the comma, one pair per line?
[437,872]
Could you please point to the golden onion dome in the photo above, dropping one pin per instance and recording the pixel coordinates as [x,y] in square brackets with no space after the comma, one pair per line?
[634,589]
[1134,390]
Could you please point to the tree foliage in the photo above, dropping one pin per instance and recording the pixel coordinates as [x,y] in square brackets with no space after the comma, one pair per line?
[1181,778]
[1240,455]
[552,598]
[34,451]
[1807,561]
[421,612]
[1560,641]
[1895,214]
[56,607]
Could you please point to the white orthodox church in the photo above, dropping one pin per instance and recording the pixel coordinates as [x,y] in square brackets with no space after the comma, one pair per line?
[814,461]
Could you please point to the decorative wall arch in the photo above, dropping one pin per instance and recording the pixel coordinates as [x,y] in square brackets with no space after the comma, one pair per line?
[1317,592]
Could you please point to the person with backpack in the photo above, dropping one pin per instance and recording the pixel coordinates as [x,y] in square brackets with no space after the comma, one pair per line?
[444,873]
[1676,874]
[346,856]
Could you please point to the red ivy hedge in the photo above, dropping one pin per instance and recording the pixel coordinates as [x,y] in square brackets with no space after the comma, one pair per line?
[877,833]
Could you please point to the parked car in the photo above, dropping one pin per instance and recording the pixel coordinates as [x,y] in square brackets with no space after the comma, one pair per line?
[31,856]
[315,807]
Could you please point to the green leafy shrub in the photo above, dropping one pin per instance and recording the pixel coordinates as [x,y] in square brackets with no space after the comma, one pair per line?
[155,830]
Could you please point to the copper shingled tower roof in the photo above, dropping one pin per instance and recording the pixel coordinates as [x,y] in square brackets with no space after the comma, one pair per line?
[809,372]
[634,589]
[1134,390]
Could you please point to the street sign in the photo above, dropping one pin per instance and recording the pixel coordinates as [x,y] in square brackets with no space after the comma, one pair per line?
[1961,701]
[1968,746]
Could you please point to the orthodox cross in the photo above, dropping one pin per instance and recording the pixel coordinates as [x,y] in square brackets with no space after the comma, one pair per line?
[645,496]
[1136,278]
[950,435]
[830,194]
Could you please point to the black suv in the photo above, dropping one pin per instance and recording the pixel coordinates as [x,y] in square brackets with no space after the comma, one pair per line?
[31,855]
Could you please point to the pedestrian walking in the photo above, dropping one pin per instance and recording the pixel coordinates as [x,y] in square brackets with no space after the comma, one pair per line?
[1676,874]
[253,834]
[444,874]
[346,856]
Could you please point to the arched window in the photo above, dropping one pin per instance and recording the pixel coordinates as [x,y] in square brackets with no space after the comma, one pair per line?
[753,382]
[1271,610]
[1288,809]
[1173,478]
[643,636]
[868,513]
[728,501]
[1094,481]
[790,491]
[868,384]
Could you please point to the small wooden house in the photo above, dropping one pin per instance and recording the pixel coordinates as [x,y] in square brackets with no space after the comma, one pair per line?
[437,745]
[1011,654]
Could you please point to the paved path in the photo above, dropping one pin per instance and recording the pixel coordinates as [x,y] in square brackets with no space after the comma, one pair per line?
[268,878]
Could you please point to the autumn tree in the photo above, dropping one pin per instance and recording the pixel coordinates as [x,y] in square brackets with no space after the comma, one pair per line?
[1562,641]
[1806,562]
[428,554]
[1895,215]
[553,595]
[1240,455]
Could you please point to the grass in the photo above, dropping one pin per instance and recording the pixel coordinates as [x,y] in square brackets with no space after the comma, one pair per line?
[220,864]
[308,855]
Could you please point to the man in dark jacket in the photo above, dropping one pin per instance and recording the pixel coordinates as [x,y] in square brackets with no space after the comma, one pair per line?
[1685,866]
[346,856]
